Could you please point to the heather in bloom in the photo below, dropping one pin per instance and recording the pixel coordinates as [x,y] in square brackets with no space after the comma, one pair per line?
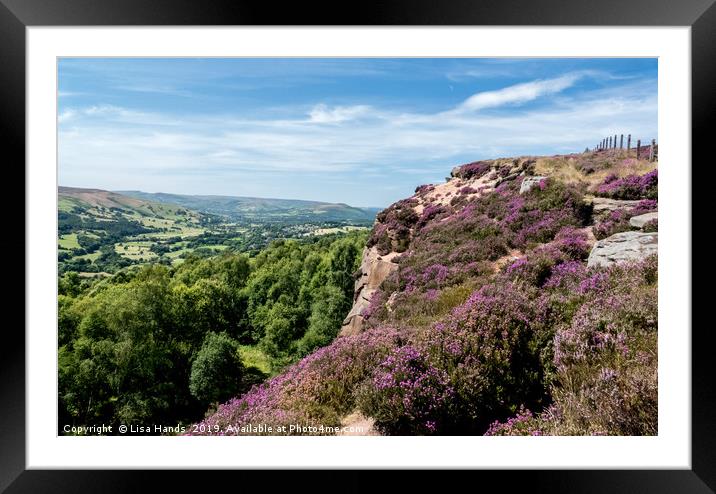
[375,304]
[644,206]
[473,170]
[487,349]
[406,393]
[485,344]
[430,213]
[422,190]
[525,423]
[538,266]
[605,356]
[467,190]
[318,390]
[566,275]
[573,242]
[630,187]
[618,220]
[393,227]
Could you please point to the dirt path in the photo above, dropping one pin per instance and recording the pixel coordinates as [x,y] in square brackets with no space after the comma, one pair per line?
[359,424]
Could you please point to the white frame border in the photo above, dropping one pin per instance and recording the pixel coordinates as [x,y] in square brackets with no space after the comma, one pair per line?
[670,449]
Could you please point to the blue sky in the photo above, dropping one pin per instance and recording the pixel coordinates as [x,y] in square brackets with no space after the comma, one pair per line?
[361,131]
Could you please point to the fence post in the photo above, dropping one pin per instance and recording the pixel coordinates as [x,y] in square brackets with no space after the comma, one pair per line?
[629,142]
[609,144]
[638,145]
[652,150]
[615,141]
[621,141]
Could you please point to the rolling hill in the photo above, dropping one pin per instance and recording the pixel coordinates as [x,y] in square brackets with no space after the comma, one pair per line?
[262,209]
[104,231]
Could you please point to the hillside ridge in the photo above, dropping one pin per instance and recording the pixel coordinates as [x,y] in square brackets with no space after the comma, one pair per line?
[476,310]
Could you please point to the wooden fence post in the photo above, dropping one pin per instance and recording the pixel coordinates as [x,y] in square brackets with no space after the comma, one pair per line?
[615,141]
[629,142]
[609,142]
[652,150]
[638,145]
[621,141]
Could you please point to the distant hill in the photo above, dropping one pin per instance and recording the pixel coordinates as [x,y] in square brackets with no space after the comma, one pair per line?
[262,209]
[95,201]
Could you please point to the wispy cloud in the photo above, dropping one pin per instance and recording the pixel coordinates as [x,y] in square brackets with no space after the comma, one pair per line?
[321,113]
[350,150]
[154,89]
[231,142]
[518,93]
[69,94]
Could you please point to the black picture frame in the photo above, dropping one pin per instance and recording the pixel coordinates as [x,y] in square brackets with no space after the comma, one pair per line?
[17,15]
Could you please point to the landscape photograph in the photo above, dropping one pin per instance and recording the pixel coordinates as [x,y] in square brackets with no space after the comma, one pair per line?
[357,246]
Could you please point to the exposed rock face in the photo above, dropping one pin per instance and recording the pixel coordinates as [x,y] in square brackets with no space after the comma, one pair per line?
[643,219]
[530,182]
[625,246]
[374,269]
[606,204]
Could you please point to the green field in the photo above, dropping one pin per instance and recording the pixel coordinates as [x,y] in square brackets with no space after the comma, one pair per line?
[176,231]
[93,256]
[136,251]
[68,241]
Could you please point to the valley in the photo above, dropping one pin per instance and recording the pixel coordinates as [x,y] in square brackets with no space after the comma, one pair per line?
[101,232]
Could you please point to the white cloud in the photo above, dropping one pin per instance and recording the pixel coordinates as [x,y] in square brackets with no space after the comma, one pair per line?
[321,113]
[67,94]
[519,93]
[66,115]
[234,154]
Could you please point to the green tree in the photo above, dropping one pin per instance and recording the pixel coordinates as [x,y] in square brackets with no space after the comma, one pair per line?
[217,370]
[345,258]
[327,314]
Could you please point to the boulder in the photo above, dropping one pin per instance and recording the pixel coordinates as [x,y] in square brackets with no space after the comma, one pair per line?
[643,219]
[625,246]
[530,182]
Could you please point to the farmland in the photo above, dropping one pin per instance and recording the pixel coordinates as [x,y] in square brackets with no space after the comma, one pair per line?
[102,232]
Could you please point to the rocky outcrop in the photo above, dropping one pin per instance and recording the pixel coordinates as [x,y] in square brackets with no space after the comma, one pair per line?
[374,269]
[530,182]
[643,219]
[625,246]
[606,204]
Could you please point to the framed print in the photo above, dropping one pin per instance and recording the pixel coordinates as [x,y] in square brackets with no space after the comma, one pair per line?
[408,238]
